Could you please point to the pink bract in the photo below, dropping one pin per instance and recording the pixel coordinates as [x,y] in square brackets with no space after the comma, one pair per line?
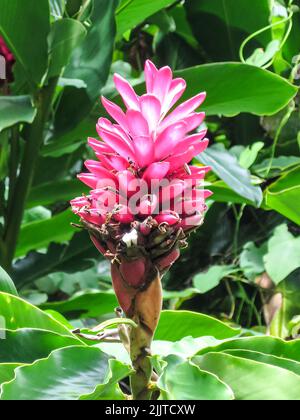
[148,142]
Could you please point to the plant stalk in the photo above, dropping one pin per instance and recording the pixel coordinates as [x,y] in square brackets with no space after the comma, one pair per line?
[148,305]
[35,135]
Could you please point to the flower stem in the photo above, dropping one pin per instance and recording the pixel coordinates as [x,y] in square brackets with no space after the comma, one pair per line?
[140,354]
[147,309]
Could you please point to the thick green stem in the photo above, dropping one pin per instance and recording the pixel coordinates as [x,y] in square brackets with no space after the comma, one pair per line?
[147,308]
[140,353]
[34,140]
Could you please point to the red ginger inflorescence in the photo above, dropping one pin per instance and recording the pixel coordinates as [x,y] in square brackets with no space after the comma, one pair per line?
[145,198]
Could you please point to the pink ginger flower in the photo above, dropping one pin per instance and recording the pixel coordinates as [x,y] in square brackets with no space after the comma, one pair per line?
[145,198]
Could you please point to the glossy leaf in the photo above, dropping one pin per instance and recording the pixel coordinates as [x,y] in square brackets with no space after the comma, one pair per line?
[66,374]
[14,110]
[85,305]
[133,12]
[6,283]
[182,380]
[7,371]
[222,193]
[226,166]
[266,345]
[65,35]
[249,155]
[38,235]
[187,347]
[233,88]
[91,61]
[224,25]
[186,323]
[251,260]
[48,193]
[278,165]
[77,255]
[25,346]
[287,364]
[209,280]
[282,322]
[20,33]
[20,314]
[284,195]
[283,246]
[111,389]
[251,380]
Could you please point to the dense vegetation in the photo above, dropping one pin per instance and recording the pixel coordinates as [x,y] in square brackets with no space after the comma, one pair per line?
[233,299]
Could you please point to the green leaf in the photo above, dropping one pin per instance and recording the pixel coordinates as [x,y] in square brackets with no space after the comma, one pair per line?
[182,25]
[18,313]
[290,307]
[179,294]
[283,195]
[25,346]
[69,283]
[116,350]
[15,109]
[186,323]
[66,374]
[92,60]
[226,166]
[78,255]
[6,283]
[267,345]
[233,88]
[268,359]
[278,165]
[111,390]
[36,214]
[251,260]
[7,371]
[53,192]
[65,36]
[60,318]
[85,305]
[38,235]
[260,57]
[224,194]
[133,12]
[226,24]
[282,247]
[249,155]
[20,23]
[185,348]
[251,380]
[182,380]
[211,279]
[67,142]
